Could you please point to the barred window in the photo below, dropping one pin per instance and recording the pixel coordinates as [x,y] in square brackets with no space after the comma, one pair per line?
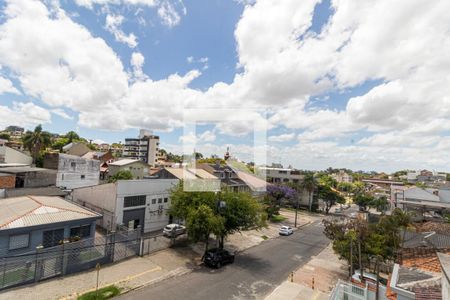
[19,241]
[153,201]
[130,201]
[165,200]
[81,231]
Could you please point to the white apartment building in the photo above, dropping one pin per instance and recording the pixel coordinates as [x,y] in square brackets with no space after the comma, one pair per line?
[129,203]
[342,176]
[279,175]
[145,147]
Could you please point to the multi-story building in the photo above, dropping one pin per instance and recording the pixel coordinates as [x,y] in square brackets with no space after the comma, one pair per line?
[9,155]
[280,175]
[342,176]
[73,171]
[145,147]
[129,203]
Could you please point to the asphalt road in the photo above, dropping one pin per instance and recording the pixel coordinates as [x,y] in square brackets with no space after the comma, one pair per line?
[254,274]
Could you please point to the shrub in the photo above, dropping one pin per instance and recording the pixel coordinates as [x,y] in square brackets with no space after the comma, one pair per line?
[102,294]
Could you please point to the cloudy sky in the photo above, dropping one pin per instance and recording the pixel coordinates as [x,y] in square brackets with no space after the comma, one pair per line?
[344,83]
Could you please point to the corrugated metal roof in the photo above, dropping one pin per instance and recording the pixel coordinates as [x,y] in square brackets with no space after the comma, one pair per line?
[38,210]
[190,173]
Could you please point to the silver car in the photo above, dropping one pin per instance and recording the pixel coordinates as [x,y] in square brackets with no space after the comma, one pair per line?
[286,230]
[173,230]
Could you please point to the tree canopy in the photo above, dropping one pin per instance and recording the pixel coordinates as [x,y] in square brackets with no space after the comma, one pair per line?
[36,141]
[221,213]
[121,175]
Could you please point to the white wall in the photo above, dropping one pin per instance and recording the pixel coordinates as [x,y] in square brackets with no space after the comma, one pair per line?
[152,189]
[99,198]
[72,169]
[9,155]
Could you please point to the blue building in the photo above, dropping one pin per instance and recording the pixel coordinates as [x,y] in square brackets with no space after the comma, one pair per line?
[30,221]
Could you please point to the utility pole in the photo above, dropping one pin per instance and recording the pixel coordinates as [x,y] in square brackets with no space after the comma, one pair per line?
[360,261]
[296,212]
[351,257]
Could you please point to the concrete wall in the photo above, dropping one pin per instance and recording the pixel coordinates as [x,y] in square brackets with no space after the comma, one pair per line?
[75,172]
[156,216]
[9,155]
[36,236]
[101,199]
[138,169]
[38,179]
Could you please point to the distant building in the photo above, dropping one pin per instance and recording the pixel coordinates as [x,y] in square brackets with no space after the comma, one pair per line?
[73,171]
[76,148]
[279,175]
[426,177]
[9,155]
[129,203]
[145,147]
[138,168]
[30,221]
[342,176]
[98,155]
[421,199]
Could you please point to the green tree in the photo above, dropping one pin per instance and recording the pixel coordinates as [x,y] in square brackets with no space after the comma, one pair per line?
[232,211]
[201,222]
[403,219]
[36,141]
[121,175]
[346,187]
[329,196]
[381,204]
[363,201]
[58,144]
[5,136]
[327,180]
[72,136]
[309,184]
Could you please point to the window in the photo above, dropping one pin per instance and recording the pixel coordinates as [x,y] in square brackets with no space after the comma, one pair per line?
[81,231]
[165,200]
[153,201]
[73,165]
[53,237]
[159,200]
[83,176]
[19,241]
[134,201]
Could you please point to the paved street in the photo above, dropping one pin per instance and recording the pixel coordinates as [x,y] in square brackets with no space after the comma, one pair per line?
[255,273]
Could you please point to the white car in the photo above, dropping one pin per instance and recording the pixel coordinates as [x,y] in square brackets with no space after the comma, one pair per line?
[173,230]
[286,230]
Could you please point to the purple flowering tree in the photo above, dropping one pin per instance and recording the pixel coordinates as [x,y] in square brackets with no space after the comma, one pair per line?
[276,195]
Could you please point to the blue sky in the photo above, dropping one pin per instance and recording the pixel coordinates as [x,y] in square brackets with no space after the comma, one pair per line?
[340,84]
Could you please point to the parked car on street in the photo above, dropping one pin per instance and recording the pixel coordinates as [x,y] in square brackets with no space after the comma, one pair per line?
[215,258]
[286,230]
[174,230]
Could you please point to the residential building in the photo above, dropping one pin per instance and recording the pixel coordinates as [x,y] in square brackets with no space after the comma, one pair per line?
[426,177]
[76,148]
[421,200]
[30,177]
[342,176]
[138,168]
[31,221]
[279,175]
[235,179]
[145,147]
[73,171]
[194,179]
[9,155]
[15,130]
[129,203]
[444,260]
[101,156]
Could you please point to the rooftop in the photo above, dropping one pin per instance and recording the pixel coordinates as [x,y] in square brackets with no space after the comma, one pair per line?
[29,211]
[24,169]
[125,161]
[190,173]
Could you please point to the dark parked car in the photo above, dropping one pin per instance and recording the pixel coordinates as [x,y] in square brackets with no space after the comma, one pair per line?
[216,258]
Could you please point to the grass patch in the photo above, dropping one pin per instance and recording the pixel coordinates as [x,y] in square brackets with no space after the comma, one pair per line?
[102,294]
[264,237]
[17,276]
[278,218]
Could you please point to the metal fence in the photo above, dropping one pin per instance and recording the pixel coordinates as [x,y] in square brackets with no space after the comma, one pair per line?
[75,256]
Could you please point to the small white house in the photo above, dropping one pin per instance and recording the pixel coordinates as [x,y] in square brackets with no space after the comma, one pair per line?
[130,203]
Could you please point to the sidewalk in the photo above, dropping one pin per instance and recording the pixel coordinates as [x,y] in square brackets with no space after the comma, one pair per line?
[325,269]
[128,274]
[140,271]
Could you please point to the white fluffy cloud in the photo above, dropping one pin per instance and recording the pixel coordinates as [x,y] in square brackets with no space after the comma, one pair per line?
[283,65]
[112,24]
[286,137]
[25,114]
[6,86]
